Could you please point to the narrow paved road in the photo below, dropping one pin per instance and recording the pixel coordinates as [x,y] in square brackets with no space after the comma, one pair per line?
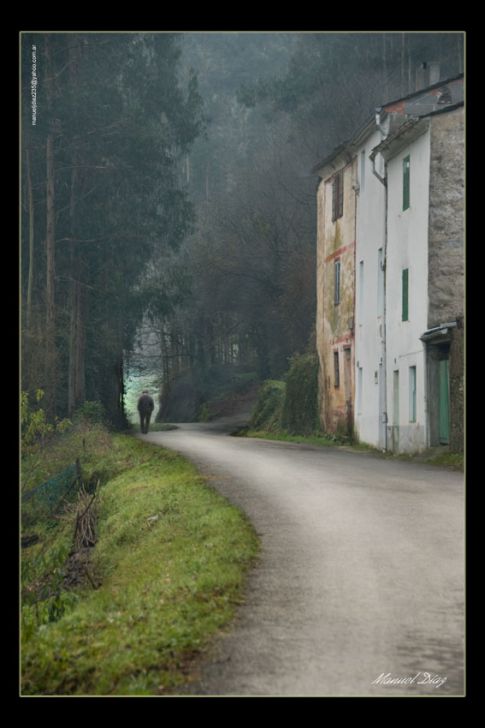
[361,572]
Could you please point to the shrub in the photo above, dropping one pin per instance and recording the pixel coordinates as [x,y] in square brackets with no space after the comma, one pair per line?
[91,411]
[34,425]
[269,408]
[300,410]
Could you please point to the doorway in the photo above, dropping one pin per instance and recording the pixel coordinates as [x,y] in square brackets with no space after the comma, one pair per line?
[444,401]
[348,389]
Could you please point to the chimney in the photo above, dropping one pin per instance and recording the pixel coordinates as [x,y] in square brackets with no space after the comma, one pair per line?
[434,72]
[421,76]
[427,73]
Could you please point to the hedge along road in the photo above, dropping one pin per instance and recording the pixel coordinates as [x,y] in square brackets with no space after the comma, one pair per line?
[361,576]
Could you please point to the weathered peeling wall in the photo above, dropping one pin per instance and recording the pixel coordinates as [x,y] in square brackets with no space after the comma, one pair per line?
[335,322]
[446,218]
[320,300]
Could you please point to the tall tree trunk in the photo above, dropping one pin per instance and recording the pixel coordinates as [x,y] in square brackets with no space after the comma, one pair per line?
[76,373]
[121,388]
[77,341]
[50,235]
[30,282]
[50,377]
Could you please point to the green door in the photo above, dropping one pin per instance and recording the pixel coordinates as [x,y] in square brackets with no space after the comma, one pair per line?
[444,406]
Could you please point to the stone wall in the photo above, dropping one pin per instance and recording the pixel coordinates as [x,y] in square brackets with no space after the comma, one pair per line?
[446,250]
[446,218]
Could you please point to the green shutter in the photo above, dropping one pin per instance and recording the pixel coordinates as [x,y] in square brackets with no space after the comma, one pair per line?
[405,294]
[406,164]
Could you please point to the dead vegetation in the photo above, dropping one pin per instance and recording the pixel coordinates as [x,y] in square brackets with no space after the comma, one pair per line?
[83,512]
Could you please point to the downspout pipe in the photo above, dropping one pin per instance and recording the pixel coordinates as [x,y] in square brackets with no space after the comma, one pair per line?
[383,181]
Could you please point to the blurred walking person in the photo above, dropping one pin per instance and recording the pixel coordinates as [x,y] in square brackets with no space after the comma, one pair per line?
[146,406]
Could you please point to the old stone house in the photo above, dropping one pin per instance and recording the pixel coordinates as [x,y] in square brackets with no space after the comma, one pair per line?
[336,289]
[403,222]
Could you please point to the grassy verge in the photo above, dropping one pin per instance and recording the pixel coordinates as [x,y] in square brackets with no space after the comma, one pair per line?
[453,461]
[449,460]
[170,559]
[319,440]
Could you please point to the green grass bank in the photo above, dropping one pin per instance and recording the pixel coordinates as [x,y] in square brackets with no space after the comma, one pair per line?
[165,575]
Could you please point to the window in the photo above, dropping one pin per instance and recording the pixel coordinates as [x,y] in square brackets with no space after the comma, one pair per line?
[412,394]
[380,283]
[405,294]
[336,369]
[336,279]
[338,195]
[406,182]
[362,170]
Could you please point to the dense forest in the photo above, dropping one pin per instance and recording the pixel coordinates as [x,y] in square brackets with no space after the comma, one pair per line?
[168,204]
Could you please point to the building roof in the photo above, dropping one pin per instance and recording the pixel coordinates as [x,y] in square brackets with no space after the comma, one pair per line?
[330,157]
[425,102]
[421,91]
[403,135]
[438,97]
[363,131]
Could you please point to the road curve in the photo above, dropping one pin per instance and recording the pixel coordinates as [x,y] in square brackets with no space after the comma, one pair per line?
[361,574]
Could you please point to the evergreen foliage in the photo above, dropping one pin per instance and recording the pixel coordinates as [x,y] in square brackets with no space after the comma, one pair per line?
[300,410]
[113,119]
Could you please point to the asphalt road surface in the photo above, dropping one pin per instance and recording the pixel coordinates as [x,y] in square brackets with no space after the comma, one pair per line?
[361,575]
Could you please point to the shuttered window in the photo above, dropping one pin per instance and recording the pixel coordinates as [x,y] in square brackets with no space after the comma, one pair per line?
[336,269]
[406,182]
[338,195]
[405,294]
[336,368]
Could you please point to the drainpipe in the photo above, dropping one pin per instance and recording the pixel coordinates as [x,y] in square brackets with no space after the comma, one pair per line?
[383,181]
